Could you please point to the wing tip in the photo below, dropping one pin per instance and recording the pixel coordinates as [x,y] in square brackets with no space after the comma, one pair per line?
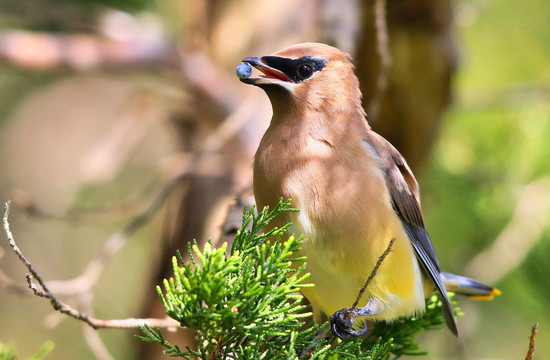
[453,327]
[448,314]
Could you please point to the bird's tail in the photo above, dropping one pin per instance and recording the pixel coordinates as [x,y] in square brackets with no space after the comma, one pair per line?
[466,286]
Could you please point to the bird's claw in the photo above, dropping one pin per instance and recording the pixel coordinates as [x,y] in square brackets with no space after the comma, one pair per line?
[342,327]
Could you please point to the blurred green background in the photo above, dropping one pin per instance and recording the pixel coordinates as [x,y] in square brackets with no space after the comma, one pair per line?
[488,179]
[79,133]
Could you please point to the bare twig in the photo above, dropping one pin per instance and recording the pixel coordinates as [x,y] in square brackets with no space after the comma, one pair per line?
[21,257]
[117,240]
[42,290]
[114,244]
[531,350]
[373,273]
[212,144]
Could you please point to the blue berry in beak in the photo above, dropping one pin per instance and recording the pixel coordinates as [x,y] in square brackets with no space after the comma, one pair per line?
[244,70]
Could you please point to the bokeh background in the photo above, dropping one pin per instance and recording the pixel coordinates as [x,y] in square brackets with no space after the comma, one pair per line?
[106,103]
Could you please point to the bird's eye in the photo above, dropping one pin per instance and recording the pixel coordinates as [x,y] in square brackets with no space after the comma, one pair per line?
[305,71]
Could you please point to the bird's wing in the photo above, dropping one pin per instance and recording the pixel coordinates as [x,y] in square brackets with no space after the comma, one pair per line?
[405,197]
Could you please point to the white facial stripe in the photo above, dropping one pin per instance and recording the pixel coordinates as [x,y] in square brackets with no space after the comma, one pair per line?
[287,85]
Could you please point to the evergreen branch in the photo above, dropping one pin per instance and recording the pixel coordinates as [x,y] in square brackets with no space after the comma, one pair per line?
[247,305]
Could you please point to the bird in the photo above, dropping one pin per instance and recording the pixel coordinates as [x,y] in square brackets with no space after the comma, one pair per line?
[354,191]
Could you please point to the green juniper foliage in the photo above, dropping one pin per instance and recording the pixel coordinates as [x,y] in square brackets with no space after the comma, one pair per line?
[247,305]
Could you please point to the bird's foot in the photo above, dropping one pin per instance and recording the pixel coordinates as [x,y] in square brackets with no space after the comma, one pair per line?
[341,322]
[342,327]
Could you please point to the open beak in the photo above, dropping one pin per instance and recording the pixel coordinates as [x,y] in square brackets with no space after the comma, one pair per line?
[270,76]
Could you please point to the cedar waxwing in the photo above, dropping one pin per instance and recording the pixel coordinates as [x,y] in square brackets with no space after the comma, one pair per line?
[354,190]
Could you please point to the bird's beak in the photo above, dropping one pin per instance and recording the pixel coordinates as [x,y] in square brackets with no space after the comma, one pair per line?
[271,75]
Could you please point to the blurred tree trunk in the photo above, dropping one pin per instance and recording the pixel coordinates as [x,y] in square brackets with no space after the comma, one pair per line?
[424,59]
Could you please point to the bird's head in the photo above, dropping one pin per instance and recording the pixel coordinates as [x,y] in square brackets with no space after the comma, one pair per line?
[310,76]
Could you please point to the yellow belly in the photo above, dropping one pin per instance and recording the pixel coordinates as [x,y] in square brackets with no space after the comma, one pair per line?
[338,270]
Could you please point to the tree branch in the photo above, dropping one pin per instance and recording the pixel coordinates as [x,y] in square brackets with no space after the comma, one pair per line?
[531,350]
[42,290]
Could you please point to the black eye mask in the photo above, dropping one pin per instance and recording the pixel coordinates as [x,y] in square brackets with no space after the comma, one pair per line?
[298,70]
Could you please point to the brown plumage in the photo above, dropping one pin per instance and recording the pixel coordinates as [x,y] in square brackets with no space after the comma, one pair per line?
[354,190]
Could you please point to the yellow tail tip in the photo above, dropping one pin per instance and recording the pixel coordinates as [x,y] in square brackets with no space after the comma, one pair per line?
[482,297]
[492,294]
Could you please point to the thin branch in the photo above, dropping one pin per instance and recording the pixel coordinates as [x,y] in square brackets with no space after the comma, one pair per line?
[212,144]
[531,350]
[45,292]
[373,273]
[42,290]
[117,240]
[17,251]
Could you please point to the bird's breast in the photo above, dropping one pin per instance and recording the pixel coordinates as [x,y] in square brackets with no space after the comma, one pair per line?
[345,216]
[337,184]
